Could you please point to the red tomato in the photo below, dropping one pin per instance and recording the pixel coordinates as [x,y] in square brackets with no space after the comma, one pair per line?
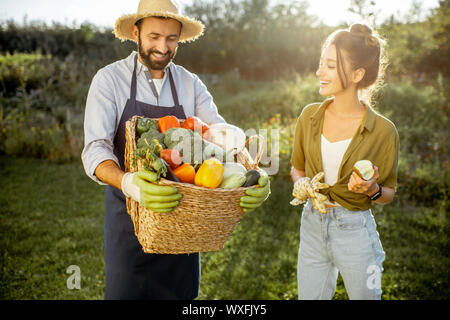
[172,157]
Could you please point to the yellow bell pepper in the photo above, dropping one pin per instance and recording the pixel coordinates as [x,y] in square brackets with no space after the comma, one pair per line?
[210,173]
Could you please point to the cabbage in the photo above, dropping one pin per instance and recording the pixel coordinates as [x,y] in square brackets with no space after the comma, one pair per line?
[229,137]
[232,168]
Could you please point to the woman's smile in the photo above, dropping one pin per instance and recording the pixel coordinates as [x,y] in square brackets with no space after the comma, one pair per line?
[324,83]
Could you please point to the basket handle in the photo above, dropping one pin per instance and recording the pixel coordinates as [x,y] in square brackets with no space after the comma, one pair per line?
[260,147]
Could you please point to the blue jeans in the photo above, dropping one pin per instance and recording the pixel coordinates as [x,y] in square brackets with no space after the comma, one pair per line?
[339,241]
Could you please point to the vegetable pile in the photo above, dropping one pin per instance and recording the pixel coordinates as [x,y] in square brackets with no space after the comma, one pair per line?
[184,151]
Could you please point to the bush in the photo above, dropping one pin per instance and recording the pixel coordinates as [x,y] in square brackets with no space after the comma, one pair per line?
[23,71]
[42,102]
[421,116]
[53,141]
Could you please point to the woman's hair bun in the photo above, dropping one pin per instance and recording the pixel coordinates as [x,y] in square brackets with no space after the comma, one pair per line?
[361,28]
[364,30]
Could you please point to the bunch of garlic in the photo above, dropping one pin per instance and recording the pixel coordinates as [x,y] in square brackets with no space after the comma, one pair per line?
[305,188]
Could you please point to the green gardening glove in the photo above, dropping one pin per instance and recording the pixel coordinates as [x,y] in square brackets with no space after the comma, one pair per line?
[256,196]
[141,187]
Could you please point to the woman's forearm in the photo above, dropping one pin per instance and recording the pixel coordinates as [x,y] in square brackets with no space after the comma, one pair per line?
[387,196]
[297,174]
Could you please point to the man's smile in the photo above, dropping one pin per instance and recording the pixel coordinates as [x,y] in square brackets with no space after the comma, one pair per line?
[159,56]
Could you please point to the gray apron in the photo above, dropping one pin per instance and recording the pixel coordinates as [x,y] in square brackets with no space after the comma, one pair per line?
[130,273]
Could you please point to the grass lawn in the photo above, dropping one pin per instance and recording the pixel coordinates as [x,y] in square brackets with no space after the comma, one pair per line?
[51,217]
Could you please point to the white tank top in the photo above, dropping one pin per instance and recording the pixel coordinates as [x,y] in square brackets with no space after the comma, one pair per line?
[332,153]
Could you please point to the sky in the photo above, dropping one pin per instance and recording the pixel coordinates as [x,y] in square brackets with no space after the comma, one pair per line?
[104,13]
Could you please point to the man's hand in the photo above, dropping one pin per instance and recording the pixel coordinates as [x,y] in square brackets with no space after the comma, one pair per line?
[358,185]
[140,187]
[256,196]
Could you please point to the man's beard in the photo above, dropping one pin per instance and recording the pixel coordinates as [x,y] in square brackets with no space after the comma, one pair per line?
[151,64]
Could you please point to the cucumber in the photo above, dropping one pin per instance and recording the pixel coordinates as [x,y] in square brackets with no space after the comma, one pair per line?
[234,181]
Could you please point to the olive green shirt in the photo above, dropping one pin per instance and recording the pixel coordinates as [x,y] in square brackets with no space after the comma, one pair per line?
[376,140]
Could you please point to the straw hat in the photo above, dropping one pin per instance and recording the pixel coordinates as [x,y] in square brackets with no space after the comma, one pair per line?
[191,29]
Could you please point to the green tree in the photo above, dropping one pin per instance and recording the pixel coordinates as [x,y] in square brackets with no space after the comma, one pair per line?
[365,10]
[437,60]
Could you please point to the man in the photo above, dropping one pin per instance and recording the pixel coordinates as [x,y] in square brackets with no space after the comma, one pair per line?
[149,84]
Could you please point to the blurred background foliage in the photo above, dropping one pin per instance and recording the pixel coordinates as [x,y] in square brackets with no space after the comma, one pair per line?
[258,61]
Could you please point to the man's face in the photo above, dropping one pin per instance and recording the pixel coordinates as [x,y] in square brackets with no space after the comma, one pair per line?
[157,41]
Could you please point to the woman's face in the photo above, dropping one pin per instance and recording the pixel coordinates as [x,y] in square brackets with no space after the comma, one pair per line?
[330,83]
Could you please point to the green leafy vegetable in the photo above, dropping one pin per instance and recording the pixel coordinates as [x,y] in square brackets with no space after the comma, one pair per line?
[145,124]
[149,151]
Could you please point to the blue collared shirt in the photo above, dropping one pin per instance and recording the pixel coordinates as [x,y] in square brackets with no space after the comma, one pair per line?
[109,92]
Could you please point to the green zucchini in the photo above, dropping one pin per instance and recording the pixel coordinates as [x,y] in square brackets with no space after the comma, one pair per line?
[234,181]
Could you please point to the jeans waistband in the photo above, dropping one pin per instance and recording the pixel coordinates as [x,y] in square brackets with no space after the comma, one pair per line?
[334,211]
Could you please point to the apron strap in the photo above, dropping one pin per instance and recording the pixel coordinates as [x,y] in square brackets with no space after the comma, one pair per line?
[174,90]
[133,82]
[152,84]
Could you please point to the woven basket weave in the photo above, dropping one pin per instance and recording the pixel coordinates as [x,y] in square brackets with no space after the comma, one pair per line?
[204,219]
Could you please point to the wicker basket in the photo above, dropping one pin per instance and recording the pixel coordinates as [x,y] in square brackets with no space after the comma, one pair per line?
[204,219]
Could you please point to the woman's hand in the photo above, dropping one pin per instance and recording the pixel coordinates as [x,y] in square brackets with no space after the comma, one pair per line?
[359,185]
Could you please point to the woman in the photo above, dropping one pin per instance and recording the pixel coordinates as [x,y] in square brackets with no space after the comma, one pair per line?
[331,137]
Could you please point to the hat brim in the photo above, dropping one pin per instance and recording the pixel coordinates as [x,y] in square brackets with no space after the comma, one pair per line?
[191,30]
